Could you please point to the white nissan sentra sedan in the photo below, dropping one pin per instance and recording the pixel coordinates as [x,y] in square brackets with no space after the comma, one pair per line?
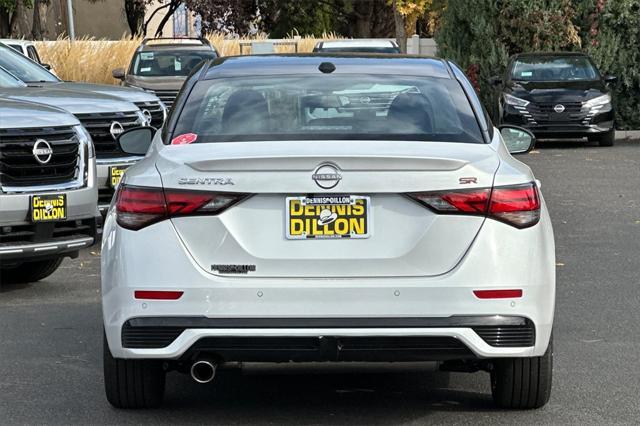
[328,208]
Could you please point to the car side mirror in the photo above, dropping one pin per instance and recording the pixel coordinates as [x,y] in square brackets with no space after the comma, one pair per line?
[136,141]
[46,66]
[118,73]
[517,139]
[610,78]
[496,80]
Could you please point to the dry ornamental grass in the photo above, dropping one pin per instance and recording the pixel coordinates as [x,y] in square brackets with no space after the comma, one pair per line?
[92,60]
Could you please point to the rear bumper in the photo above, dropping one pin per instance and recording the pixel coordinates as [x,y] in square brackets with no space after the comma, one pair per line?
[328,339]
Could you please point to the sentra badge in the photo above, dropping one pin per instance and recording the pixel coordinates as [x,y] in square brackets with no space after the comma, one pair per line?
[205,181]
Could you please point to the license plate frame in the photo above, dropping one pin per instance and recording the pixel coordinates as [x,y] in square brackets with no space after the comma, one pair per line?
[332,223]
[45,208]
[116,178]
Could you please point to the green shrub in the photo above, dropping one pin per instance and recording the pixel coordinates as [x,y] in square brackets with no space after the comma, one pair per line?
[613,40]
[481,35]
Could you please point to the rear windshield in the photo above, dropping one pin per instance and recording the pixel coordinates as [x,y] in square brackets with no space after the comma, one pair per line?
[554,68]
[326,106]
[166,63]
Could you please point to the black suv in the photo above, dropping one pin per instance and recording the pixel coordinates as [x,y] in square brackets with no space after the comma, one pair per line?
[557,95]
[160,65]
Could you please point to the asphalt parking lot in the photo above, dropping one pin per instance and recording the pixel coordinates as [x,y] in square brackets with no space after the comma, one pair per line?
[51,335]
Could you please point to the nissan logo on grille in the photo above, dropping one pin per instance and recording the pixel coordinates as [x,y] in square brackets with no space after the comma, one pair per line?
[116,129]
[327,176]
[558,108]
[147,117]
[42,151]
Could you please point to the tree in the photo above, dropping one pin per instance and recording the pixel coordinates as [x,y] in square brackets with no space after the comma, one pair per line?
[481,35]
[230,16]
[611,35]
[135,10]
[280,18]
[406,14]
[171,6]
[10,13]
[39,26]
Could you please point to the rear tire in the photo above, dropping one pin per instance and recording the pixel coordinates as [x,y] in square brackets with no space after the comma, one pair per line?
[132,383]
[30,271]
[607,139]
[522,383]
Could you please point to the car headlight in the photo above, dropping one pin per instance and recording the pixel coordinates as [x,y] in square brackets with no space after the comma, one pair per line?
[85,138]
[131,86]
[599,101]
[512,100]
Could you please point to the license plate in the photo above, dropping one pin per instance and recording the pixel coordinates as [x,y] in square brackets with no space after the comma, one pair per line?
[48,208]
[115,175]
[324,217]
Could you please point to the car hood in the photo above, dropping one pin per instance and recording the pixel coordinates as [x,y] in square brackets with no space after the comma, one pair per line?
[156,83]
[75,102]
[557,91]
[125,93]
[18,114]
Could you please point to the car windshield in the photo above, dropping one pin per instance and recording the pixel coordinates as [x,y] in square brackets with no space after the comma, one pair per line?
[24,68]
[166,63]
[317,107]
[553,68]
[9,81]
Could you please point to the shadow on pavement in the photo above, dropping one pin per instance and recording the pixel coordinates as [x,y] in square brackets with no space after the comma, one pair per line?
[11,287]
[565,144]
[304,396]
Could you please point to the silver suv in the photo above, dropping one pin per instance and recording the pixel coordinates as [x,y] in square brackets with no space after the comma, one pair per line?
[104,116]
[48,190]
[34,75]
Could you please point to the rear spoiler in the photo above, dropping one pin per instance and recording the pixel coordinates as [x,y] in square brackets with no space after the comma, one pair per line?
[202,40]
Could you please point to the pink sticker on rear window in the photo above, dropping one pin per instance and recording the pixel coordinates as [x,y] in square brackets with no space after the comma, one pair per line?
[184,139]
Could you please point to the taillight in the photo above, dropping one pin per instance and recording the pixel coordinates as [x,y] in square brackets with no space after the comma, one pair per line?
[137,207]
[466,202]
[518,206]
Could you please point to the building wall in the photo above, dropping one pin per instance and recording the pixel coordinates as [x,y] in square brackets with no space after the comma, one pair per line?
[103,19]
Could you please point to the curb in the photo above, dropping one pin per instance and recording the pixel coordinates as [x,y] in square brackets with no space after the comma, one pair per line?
[630,135]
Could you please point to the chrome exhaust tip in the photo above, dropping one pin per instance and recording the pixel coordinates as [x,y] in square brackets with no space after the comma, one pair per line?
[203,371]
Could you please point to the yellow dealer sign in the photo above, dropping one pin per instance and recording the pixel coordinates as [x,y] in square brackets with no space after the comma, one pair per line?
[321,217]
[48,208]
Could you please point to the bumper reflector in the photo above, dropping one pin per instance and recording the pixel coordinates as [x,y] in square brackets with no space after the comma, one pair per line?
[498,294]
[158,295]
